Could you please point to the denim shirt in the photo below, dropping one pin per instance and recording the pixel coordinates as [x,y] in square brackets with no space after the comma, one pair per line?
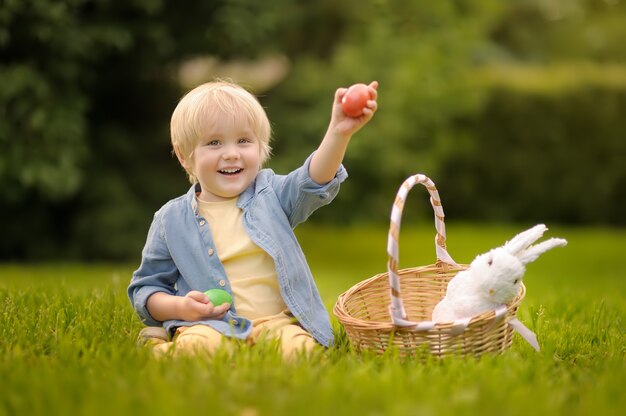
[179,255]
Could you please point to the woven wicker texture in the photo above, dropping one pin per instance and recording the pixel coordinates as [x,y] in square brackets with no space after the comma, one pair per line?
[364,310]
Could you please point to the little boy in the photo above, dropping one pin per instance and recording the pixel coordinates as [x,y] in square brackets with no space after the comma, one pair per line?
[233,229]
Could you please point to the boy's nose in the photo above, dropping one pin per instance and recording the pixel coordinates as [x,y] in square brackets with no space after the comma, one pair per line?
[231,153]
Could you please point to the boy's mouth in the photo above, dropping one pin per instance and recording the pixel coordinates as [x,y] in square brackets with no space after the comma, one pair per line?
[230,171]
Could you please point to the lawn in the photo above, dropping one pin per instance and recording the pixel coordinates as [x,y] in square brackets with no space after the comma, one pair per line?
[67,341]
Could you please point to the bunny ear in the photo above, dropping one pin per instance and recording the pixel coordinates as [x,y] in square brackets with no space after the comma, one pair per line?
[524,239]
[531,253]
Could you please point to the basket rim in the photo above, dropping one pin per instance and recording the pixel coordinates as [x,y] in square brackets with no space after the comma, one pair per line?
[339,309]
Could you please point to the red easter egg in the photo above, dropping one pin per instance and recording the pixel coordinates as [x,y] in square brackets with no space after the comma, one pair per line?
[355,99]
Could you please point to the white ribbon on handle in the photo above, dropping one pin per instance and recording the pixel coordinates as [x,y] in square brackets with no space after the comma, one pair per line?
[525,333]
[443,255]
[528,335]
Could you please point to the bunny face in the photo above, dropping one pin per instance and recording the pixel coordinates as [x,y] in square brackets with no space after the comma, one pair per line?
[500,274]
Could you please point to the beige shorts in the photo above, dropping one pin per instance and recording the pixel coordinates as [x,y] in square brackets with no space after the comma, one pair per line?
[282,328]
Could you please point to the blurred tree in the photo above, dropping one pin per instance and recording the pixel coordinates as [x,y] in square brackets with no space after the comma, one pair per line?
[419,52]
[87,88]
[540,156]
[541,31]
[555,78]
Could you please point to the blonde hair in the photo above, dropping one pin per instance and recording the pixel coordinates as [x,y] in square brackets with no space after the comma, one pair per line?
[201,107]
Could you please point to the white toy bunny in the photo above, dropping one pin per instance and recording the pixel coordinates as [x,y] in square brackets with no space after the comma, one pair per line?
[493,278]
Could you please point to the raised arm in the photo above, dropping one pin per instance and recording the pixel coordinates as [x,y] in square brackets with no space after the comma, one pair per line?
[331,151]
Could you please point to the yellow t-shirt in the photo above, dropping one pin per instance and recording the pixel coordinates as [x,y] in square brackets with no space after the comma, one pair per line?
[249,268]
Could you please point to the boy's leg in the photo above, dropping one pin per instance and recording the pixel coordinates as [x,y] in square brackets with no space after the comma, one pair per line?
[194,339]
[284,327]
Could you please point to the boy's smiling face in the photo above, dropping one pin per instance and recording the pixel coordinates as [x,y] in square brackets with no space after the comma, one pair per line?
[226,160]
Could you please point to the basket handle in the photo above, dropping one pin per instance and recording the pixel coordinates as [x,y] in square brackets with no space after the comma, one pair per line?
[397,308]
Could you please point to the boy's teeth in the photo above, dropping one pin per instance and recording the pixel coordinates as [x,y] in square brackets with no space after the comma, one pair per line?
[230,170]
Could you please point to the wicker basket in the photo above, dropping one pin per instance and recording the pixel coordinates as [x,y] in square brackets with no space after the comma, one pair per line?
[393,309]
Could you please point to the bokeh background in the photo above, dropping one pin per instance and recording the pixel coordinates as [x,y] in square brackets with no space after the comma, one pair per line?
[514,108]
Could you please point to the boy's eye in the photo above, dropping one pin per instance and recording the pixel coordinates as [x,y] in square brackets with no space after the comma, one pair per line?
[244,140]
[213,142]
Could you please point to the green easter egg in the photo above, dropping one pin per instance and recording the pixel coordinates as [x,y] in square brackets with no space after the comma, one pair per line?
[218,296]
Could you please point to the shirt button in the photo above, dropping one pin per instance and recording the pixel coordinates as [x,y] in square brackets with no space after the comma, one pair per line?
[222,283]
[211,252]
[202,222]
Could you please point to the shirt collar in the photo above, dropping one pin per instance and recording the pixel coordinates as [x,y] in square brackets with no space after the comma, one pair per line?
[243,200]
[191,197]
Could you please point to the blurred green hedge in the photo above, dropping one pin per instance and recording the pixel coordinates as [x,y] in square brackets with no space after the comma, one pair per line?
[87,89]
[548,145]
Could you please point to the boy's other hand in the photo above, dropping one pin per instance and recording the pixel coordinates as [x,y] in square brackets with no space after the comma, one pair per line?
[196,306]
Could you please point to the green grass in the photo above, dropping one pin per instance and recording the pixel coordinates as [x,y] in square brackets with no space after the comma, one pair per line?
[67,341]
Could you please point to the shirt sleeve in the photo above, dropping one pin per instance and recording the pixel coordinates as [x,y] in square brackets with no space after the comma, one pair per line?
[156,273]
[300,195]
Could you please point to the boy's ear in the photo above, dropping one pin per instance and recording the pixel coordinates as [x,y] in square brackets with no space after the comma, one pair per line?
[181,158]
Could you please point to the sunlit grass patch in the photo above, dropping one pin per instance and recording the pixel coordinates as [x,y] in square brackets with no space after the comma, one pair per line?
[68,342]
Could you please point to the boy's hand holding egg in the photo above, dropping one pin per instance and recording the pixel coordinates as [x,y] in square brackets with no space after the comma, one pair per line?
[218,297]
[355,100]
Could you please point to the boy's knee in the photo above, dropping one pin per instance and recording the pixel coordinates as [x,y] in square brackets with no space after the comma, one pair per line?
[199,338]
[297,342]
